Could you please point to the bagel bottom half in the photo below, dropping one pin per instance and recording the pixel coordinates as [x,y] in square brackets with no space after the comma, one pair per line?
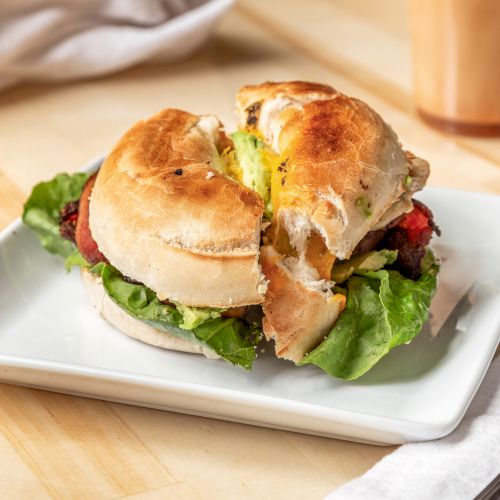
[132,327]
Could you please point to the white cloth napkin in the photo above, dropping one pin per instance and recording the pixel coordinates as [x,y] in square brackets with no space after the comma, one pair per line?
[458,466]
[66,39]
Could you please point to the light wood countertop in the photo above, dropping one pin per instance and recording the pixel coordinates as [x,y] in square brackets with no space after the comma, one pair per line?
[60,446]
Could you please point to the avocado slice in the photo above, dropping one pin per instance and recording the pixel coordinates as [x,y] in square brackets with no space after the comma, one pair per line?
[368,261]
[255,173]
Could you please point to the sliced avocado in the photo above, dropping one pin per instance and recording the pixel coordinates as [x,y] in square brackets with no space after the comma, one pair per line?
[195,316]
[368,261]
[255,174]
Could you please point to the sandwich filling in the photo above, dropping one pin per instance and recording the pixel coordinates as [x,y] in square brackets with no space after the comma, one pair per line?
[58,211]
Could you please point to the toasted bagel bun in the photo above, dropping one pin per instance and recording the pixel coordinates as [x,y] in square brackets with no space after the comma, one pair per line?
[298,314]
[340,173]
[132,327]
[342,167]
[163,212]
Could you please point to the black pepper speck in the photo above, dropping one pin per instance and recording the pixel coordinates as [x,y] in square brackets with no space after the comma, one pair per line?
[283,166]
[178,171]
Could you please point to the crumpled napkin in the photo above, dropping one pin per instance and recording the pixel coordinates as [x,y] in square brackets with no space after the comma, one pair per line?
[455,467]
[68,39]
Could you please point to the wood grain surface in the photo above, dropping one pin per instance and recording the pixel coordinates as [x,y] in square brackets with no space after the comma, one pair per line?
[59,446]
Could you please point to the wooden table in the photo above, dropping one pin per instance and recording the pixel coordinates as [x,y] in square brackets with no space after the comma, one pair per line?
[64,446]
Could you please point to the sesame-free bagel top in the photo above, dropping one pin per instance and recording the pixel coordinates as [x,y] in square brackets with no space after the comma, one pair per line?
[343,170]
[164,214]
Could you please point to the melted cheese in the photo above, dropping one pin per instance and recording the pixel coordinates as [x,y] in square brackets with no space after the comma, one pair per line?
[254,131]
[276,186]
[279,239]
[231,164]
[338,297]
[317,253]
[318,256]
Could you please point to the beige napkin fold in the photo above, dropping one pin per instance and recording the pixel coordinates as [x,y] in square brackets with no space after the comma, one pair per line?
[69,39]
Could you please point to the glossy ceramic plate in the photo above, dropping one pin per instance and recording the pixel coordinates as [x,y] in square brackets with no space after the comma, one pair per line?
[51,338]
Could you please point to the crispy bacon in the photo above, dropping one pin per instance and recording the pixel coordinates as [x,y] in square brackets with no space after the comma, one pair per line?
[410,237]
[67,221]
[372,240]
[409,234]
[234,312]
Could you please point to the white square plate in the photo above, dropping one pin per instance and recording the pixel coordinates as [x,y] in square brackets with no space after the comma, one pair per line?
[51,338]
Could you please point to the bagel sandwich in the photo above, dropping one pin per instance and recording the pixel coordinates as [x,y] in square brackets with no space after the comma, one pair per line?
[300,226]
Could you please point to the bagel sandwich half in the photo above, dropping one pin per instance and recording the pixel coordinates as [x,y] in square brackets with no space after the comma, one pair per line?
[168,243]
[338,191]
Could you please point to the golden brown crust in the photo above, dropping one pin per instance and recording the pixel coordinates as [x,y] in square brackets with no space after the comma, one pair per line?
[164,215]
[252,94]
[343,167]
[295,316]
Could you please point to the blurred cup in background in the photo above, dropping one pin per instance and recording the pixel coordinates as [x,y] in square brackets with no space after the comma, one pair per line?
[456,52]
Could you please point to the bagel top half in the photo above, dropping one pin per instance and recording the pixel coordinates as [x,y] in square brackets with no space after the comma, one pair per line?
[341,171]
[164,214]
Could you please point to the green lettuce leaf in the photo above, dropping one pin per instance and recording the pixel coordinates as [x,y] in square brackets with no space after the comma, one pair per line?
[383,310]
[250,152]
[75,259]
[41,210]
[230,338]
